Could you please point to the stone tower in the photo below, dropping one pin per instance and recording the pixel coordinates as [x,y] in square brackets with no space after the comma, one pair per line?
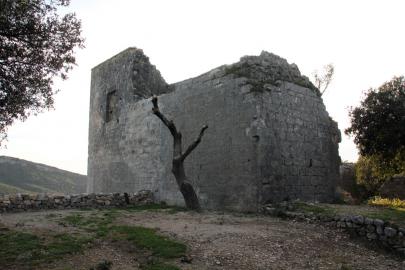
[270,137]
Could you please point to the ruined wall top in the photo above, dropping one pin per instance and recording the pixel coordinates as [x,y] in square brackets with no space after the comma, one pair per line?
[262,72]
[268,68]
[145,79]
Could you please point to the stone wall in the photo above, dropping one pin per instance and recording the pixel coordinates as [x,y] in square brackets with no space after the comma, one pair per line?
[117,86]
[378,231]
[393,188]
[269,135]
[347,179]
[26,202]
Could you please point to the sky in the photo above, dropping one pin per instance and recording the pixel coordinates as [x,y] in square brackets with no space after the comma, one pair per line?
[364,40]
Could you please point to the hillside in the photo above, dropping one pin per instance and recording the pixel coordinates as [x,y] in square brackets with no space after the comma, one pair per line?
[21,176]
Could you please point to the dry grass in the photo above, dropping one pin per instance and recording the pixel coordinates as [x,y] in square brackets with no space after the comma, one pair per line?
[386,202]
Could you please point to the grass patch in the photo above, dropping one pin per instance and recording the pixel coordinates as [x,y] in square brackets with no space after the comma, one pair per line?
[160,246]
[315,209]
[98,223]
[396,215]
[51,215]
[141,237]
[65,244]
[26,248]
[79,220]
[154,207]
[85,209]
[74,220]
[18,246]
[392,214]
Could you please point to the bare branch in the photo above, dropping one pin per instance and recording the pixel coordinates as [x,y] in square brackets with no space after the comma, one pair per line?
[322,81]
[168,123]
[186,188]
[194,144]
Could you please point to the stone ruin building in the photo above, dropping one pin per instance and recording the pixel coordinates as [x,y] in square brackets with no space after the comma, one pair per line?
[269,139]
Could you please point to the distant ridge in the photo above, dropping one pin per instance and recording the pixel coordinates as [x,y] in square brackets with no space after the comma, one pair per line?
[22,176]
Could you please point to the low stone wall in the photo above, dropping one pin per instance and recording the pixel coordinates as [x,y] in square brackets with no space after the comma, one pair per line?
[394,188]
[25,202]
[374,230]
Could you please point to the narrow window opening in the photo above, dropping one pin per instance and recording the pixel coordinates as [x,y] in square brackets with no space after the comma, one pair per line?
[111,107]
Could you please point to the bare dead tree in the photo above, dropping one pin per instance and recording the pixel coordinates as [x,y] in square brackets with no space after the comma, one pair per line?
[186,189]
[322,80]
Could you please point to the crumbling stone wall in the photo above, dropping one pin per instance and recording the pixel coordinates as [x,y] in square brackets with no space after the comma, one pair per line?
[269,137]
[382,232]
[393,188]
[26,202]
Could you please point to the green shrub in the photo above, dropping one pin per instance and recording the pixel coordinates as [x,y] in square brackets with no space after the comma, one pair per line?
[373,170]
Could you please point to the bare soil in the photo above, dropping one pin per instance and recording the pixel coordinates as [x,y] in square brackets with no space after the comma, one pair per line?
[217,241]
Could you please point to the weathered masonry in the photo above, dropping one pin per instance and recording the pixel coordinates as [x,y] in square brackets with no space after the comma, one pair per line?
[270,137]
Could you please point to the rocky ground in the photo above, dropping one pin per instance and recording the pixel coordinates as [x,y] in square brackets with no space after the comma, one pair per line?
[214,241]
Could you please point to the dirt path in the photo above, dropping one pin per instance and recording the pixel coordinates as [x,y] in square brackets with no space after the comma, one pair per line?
[220,241]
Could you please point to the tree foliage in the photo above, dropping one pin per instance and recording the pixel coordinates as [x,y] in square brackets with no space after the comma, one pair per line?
[373,170]
[378,124]
[378,127]
[36,45]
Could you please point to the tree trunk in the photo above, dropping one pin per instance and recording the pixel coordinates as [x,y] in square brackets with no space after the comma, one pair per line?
[186,188]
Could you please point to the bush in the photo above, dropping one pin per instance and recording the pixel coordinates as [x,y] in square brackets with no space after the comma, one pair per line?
[374,170]
[386,202]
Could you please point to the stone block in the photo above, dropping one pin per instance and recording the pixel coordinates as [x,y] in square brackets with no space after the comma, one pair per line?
[380,230]
[378,222]
[361,231]
[390,232]
[358,219]
[370,228]
[368,221]
[371,235]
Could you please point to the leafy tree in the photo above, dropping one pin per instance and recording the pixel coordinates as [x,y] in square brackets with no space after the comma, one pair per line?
[36,45]
[378,127]
[378,124]
[373,170]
